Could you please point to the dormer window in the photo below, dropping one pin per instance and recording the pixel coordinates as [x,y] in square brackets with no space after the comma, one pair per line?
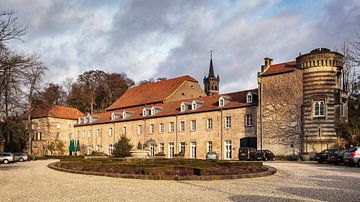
[155,110]
[115,116]
[144,112]
[182,107]
[127,114]
[147,112]
[196,104]
[223,100]
[185,106]
[249,97]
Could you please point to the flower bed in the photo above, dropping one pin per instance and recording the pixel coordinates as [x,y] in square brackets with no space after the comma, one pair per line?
[162,167]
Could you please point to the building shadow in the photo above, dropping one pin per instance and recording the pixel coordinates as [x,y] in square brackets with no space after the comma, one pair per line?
[260,198]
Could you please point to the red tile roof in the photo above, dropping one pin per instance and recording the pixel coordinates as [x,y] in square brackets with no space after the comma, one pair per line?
[210,103]
[56,111]
[280,68]
[149,92]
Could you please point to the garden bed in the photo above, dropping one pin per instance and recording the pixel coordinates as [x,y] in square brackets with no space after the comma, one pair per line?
[164,168]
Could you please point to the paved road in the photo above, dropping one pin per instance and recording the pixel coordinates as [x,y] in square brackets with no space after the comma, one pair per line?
[33,181]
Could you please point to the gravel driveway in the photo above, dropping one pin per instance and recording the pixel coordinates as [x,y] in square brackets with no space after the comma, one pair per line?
[33,181]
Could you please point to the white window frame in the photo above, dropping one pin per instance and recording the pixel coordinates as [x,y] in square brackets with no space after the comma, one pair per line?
[193,106]
[221,102]
[89,133]
[182,107]
[317,111]
[228,122]
[181,126]
[209,124]
[139,129]
[152,129]
[110,132]
[171,127]
[161,127]
[209,146]
[83,134]
[193,125]
[228,150]
[249,98]
[193,150]
[171,147]
[57,124]
[248,120]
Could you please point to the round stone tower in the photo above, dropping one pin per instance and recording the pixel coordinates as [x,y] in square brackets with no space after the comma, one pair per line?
[321,98]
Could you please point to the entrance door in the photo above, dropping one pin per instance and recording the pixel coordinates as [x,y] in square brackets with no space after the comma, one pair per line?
[152,150]
[228,150]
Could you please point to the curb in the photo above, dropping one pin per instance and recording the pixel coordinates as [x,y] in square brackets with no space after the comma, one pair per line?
[270,171]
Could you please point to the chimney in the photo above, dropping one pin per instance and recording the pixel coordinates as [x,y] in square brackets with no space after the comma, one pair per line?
[268,62]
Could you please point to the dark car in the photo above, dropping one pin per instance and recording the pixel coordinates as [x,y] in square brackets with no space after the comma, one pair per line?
[264,155]
[324,155]
[336,157]
[247,154]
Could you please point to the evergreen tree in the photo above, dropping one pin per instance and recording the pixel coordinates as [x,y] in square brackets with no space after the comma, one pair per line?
[122,147]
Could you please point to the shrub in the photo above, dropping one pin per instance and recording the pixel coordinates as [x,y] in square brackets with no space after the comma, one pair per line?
[122,147]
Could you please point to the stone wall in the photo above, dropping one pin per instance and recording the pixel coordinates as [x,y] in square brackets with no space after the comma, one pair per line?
[218,134]
[52,129]
[281,100]
[188,90]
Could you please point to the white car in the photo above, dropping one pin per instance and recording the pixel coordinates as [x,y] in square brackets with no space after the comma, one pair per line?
[6,157]
[352,156]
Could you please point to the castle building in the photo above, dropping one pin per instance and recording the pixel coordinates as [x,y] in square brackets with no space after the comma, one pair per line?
[301,103]
[50,125]
[297,108]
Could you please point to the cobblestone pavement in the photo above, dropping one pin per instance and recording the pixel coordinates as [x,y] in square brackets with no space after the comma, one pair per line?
[294,181]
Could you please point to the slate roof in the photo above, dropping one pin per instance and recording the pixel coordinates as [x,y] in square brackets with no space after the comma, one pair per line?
[149,93]
[280,68]
[56,111]
[210,103]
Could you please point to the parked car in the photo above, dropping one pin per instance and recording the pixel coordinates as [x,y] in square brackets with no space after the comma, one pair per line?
[21,157]
[6,157]
[352,156]
[247,153]
[264,155]
[324,155]
[336,157]
[211,156]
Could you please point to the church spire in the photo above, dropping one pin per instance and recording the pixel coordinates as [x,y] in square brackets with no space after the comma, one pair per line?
[211,83]
[211,68]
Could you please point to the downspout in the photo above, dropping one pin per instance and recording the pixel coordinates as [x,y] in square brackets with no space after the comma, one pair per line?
[260,111]
[221,135]
[176,134]
[144,134]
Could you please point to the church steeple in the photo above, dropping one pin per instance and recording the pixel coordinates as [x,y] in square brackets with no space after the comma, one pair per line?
[211,83]
[211,68]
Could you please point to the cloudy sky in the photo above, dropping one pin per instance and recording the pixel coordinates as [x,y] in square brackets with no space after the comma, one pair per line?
[161,38]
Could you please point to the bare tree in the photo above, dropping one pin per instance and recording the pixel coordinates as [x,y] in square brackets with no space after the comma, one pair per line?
[9,28]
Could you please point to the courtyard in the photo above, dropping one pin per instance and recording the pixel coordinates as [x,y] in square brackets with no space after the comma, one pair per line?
[294,181]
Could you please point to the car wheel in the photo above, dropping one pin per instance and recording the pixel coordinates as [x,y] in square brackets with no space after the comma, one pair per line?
[21,159]
[320,162]
[6,161]
[359,163]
